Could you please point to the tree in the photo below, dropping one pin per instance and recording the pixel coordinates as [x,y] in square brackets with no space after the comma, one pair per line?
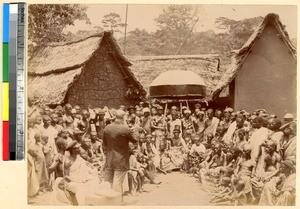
[47,21]
[81,34]
[177,17]
[238,30]
[138,42]
[174,24]
[113,21]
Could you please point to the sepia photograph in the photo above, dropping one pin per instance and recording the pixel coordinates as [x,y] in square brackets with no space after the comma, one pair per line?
[161,105]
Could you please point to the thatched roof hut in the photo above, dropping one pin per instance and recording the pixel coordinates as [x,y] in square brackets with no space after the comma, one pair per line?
[241,54]
[147,68]
[91,72]
[263,72]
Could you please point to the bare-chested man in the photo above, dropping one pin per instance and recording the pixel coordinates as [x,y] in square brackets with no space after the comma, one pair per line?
[57,164]
[97,149]
[212,164]
[211,123]
[85,150]
[68,117]
[241,180]
[272,160]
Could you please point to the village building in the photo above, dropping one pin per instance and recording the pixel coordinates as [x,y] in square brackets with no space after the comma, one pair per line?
[90,73]
[208,67]
[263,71]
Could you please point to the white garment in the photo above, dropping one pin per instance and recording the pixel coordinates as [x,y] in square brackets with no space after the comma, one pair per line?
[52,133]
[213,127]
[258,153]
[198,149]
[230,131]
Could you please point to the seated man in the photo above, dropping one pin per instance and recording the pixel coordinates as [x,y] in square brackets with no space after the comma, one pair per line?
[241,180]
[135,174]
[97,149]
[81,178]
[147,167]
[211,123]
[85,150]
[196,155]
[272,160]
[177,150]
[232,155]
[241,139]
[280,190]
[166,162]
[212,164]
[241,186]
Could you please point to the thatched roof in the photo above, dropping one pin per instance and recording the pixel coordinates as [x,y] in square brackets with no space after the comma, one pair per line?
[240,55]
[53,68]
[147,68]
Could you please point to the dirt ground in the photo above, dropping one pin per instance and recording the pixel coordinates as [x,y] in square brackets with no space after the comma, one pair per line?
[176,189]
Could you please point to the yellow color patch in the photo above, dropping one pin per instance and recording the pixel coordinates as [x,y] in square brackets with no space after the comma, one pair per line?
[5,102]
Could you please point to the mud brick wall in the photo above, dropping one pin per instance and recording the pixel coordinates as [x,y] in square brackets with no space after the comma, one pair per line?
[101,83]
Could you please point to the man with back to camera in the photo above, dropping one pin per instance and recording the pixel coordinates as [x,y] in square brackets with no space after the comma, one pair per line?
[116,139]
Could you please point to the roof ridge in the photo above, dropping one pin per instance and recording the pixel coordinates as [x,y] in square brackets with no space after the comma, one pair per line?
[57,71]
[55,44]
[274,19]
[173,57]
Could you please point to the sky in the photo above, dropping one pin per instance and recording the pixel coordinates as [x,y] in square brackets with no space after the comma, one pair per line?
[142,16]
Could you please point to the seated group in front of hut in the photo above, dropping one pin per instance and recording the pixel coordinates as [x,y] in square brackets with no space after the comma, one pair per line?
[248,158]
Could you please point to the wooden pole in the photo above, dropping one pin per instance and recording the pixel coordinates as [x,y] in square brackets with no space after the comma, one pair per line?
[187,104]
[180,108]
[150,106]
[165,112]
[124,50]
[186,37]
[165,115]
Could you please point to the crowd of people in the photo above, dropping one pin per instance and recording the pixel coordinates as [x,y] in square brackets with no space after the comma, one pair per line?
[248,158]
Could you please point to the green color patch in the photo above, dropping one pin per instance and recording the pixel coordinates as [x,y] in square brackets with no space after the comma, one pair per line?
[5,62]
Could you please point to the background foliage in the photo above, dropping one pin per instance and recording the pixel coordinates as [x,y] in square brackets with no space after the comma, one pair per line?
[175,30]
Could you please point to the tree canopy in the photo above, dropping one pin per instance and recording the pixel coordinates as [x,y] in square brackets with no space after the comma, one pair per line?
[46,22]
[113,21]
[175,30]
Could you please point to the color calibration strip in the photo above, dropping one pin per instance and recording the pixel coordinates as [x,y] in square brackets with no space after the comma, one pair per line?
[5,84]
[13,81]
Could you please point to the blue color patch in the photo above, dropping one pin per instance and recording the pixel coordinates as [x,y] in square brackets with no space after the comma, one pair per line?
[5,23]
